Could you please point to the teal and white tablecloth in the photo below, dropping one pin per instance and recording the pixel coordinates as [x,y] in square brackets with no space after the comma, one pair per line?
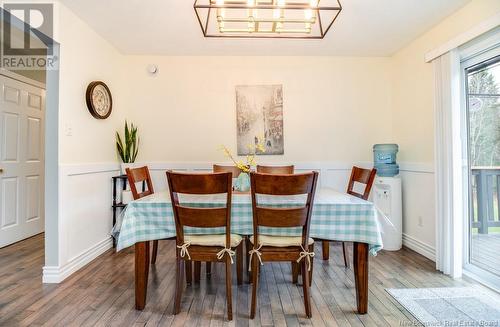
[336,216]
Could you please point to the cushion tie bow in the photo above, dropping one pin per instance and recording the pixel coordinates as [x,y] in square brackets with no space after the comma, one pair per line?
[307,255]
[256,252]
[230,252]
[184,250]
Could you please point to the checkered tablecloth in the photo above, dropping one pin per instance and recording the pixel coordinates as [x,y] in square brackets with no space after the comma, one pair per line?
[336,216]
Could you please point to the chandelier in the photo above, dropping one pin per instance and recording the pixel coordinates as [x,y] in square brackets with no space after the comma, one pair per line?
[304,19]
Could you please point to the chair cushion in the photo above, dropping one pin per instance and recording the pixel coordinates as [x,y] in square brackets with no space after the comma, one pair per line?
[212,240]
[280,241]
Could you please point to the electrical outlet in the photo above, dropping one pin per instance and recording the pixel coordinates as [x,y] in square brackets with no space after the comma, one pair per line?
[420,221]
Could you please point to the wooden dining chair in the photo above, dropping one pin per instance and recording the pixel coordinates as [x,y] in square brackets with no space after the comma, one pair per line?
[141,175]
[282,248]
[362,176]
[208,248]
[235,171]
[275,169]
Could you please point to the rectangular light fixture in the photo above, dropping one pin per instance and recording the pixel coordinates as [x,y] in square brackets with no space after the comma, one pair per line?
[304,19]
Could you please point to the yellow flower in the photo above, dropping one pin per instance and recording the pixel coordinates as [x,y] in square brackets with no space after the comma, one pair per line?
[250,158]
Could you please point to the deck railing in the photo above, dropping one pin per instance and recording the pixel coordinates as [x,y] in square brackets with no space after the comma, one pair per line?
[485,211]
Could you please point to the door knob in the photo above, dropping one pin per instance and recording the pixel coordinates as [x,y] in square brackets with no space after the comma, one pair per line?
[1,170]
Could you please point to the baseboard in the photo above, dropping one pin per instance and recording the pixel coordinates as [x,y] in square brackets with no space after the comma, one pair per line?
[56,274]
[419,247]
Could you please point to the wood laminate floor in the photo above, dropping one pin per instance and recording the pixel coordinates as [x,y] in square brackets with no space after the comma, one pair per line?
[102,293]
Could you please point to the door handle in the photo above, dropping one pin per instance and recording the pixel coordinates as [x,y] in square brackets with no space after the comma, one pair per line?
[1,170]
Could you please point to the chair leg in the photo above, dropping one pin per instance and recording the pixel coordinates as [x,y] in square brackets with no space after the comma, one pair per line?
[189,271]
[239,263]
[311,249]
[255,275]
[295,272]
[345,249]
[305,287]
[326,250]
[197,271]
[229,290]
[179,283]
[155,252]
[208,269]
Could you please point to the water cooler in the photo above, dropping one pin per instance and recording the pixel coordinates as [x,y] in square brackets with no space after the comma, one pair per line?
[386,195]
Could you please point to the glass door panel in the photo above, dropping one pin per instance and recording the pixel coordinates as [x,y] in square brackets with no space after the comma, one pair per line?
[483,120]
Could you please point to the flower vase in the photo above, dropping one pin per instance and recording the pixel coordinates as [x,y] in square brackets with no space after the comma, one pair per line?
[242,183]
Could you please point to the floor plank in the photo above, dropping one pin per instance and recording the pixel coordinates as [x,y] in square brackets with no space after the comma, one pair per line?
[102,293]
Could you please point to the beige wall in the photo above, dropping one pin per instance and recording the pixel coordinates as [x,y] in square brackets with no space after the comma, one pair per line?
[413,114]
[85,57]
[412,80]
[83,223]
[334,108]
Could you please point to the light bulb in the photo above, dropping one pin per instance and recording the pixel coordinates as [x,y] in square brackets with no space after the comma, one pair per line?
[281,3]
[251,27]
[308,14]
[251,3]
[313,3]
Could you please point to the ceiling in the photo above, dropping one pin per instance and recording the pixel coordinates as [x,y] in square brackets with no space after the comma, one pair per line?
[170,27]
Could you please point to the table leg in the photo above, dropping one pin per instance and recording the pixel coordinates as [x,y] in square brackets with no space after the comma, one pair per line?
[360,254]
[326,250]
[141,273]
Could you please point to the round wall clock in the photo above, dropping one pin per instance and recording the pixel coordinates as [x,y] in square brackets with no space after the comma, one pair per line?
[99,100]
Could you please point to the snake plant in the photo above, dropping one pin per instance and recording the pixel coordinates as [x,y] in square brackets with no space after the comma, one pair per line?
[128,150]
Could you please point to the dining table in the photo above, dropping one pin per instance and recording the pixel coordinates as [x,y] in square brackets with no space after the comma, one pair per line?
[336,216]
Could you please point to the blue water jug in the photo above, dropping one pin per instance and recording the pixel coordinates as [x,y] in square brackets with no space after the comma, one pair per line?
[385,153]
[384,158]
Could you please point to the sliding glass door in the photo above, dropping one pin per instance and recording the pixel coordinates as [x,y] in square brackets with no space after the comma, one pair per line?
[482,88]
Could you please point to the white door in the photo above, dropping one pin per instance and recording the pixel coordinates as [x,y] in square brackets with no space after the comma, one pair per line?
[22,114]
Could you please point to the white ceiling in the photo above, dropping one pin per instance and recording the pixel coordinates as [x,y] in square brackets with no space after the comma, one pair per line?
[170,27]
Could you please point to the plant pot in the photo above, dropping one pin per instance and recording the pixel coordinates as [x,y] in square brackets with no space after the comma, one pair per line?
[242,183]
[124,166]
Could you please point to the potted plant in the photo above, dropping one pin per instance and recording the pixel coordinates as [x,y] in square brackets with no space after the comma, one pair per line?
[242,183]
[128,147]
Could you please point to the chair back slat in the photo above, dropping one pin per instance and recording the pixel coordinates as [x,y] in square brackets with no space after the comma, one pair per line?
[363,176]
[283,184]
[202,217]
[276,169]
[297,216]
[281,217]
[138,175]
[200,183]
[235,171]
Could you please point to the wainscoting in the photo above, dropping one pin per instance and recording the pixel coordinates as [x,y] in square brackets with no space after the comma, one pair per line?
[86,217]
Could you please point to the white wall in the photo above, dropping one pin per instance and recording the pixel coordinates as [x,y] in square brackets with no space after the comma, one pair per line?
[413,119]
[84,218]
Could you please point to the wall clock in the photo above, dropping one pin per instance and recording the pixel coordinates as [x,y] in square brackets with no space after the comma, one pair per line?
[99,101]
